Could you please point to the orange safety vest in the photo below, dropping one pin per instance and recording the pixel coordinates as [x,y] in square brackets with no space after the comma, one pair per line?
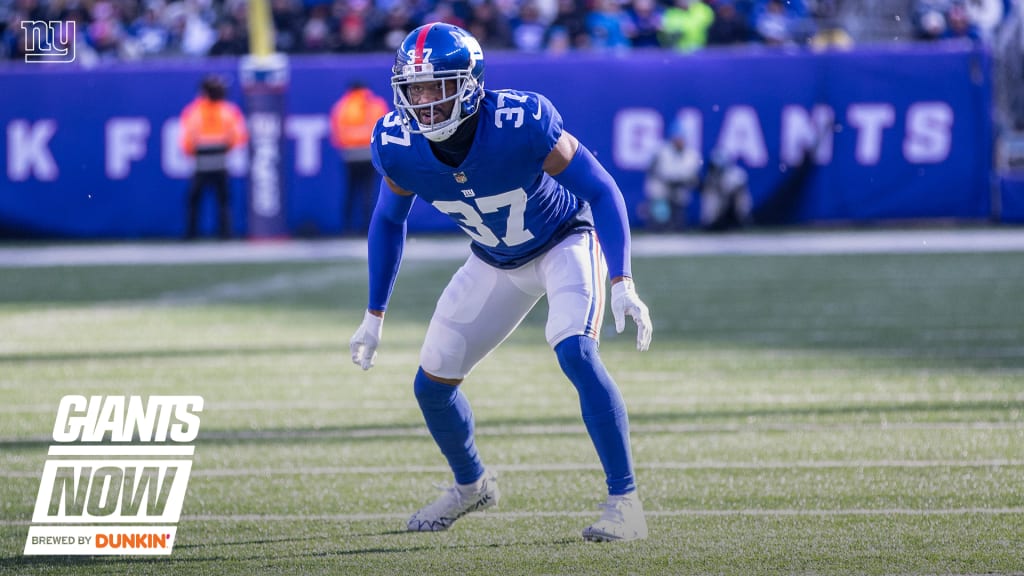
[210,125]
[353,118]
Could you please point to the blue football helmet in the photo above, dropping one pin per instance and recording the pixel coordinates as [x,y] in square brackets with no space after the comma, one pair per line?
[438,52]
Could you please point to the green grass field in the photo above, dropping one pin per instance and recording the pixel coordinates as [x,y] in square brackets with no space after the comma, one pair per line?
[831,414]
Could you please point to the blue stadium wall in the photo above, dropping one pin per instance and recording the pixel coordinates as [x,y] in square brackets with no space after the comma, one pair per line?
[888,133]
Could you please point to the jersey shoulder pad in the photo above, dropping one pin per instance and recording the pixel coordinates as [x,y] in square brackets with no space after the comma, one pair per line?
[534,113]
[542,110]
[391,125]
[388,140]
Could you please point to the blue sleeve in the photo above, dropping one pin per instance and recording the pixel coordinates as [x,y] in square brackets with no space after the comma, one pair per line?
[586,178]
[385,242]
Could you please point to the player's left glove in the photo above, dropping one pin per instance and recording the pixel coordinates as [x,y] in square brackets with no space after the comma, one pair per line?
[626,302]
[364,342]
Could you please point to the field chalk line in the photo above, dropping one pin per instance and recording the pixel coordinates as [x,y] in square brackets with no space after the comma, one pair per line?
[427,247]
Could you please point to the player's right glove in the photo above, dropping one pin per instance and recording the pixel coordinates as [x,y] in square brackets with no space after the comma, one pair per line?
[364,342]
[625,302]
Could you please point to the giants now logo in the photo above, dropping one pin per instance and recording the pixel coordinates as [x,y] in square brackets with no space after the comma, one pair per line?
[117,473]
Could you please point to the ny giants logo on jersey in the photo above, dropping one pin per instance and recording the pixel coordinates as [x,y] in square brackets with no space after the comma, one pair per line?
[117,472]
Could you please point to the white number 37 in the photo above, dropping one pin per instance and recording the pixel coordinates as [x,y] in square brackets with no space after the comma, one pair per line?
[472,222]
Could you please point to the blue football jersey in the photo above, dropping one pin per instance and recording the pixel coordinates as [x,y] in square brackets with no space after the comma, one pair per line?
[500,195]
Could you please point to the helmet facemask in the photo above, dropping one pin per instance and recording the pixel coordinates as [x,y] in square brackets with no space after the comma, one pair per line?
[465,99]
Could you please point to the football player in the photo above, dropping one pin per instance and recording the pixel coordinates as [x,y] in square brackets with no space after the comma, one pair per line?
[545,218]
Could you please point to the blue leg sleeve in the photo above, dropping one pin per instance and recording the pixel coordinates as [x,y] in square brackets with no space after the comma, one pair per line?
[604,412]
[450,421]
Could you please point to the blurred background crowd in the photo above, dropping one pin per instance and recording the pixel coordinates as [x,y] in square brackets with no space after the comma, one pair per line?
[138,29]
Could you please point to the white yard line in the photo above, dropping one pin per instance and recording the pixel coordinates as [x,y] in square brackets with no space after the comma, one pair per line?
[255,289]
[585,466]
[545,430]
[579,467]
[133,254]
[586,514]
[457,248]
[695,513]
[746,400]
[835,242]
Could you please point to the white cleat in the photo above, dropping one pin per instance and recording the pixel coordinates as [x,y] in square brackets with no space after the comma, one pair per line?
[456,502]
[622,520]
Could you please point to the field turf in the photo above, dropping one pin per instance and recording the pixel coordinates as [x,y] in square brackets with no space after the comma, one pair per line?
[808,414]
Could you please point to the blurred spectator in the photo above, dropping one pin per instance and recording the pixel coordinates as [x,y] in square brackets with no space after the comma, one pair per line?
[353,34]
[725,201]
[647,18]
[198,35]
[686,25]
[397,25]
[930,25]
[229,41]
[104,33]
[149,33]
[352,120]
[558,41]
[572,19]
[508,9]
[85,55]
[831,38]
[930,19]
[287,25]
[488,26]
[830,32]
[986,16]
[608,26]
[959,25]
[782,23]
[797,9]
[548,10]
[729,27]
[14,42]
[131,29]
[670,182]
[318,31]
[211,127]
[30,10]
[528,32]
[444,11]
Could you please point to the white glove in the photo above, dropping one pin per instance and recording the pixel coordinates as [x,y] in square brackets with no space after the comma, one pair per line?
[626,302]
[364,342]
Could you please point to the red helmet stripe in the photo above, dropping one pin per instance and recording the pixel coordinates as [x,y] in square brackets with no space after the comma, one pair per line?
[421,39]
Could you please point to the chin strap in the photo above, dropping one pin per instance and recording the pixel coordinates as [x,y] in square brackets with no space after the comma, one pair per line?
[442,134]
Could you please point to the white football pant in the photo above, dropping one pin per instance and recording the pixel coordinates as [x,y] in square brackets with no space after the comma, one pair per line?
[482,305]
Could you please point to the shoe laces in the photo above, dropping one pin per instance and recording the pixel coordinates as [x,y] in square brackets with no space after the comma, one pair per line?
[450,489]
[451,497]
[453,492]
[613,511]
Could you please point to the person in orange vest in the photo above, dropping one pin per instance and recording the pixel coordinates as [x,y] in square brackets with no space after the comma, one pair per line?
[210,128]
[352,120]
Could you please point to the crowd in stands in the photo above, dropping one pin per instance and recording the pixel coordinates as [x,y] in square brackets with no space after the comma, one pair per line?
[137,29]
[974,19]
